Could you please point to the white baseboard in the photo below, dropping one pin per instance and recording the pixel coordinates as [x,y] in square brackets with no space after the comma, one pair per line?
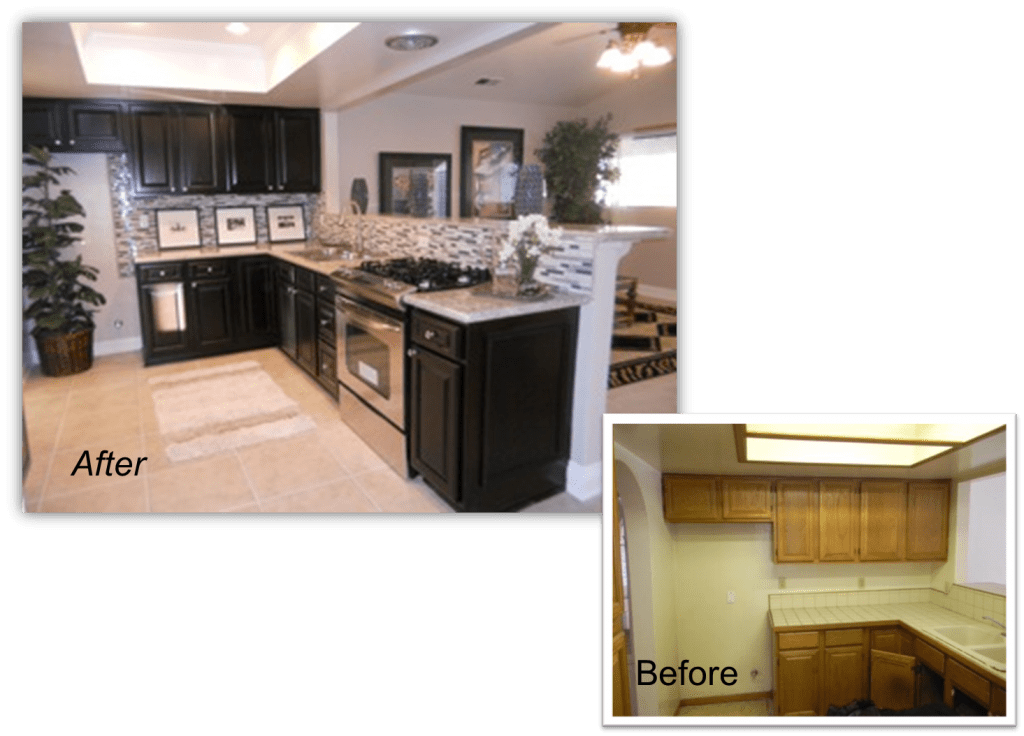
[583,482]
[657,292]
[112,347]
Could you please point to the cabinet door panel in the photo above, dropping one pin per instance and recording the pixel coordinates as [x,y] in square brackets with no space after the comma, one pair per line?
[153,157]
[691,499]
[839,521]
[298,145]
[746,499]
[251,149]
[892,680]
[927,520]
[883,509]
[212,323]
[305,330]
[796,521]
[799,686]
[41,124]
[95,125]
[844,675]
[436,389]
[199,151]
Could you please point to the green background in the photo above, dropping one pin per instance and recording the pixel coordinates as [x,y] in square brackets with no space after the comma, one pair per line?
[857,236]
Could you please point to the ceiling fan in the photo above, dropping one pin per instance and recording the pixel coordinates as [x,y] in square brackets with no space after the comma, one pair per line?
[633,48]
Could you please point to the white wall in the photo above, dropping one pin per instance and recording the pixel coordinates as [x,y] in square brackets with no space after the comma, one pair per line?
[415,124]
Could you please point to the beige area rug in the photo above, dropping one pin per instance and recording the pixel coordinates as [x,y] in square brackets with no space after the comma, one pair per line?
[210,410]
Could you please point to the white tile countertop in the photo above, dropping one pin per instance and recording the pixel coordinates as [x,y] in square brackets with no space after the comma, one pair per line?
[922,618]
[474,304]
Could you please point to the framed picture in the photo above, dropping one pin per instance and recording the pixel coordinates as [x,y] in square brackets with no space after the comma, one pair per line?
[417,184]
[236,225]
[177,229]
[286,223]
[490,161]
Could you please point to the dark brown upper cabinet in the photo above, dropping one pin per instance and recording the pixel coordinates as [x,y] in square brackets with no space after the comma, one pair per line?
[272,149]
[74,126]
[176,149]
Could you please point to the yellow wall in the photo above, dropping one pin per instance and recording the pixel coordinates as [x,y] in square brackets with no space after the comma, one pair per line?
[713,559]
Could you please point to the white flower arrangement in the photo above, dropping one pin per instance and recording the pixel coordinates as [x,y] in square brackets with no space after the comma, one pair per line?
[529,237]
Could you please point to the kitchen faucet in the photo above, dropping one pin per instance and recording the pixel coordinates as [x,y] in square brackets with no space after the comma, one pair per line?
[996,622]
[353,208]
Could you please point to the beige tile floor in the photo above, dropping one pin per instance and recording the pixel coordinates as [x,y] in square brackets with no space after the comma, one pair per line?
[110,407]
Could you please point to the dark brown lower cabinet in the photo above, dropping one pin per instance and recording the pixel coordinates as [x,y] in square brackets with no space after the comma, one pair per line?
[490,406]
[192,309]
[305,308]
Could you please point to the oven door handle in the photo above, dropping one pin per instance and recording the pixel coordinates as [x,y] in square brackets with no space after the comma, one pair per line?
[364,317]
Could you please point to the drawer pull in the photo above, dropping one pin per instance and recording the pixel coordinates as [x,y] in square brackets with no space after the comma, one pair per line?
[429,334]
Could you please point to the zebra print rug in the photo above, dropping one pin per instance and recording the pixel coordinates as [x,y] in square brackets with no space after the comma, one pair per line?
[644,349]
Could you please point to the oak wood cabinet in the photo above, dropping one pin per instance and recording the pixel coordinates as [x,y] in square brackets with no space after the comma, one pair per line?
[890,664]
[822,519]
[927,520]
[796,521]
[883,521]
[892,679]
[798,674]
[690,498]
[746,499]
[839,516]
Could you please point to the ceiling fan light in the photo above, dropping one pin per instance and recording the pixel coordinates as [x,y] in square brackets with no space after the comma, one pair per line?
[651,55]
[609,56]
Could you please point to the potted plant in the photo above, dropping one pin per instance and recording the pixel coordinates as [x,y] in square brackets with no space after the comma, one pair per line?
[578,160]
[62,325]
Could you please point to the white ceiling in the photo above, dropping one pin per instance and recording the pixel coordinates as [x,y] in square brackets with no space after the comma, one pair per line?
[711,448]
[540,63]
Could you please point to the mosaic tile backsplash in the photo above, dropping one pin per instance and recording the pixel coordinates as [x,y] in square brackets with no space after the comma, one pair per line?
[135,220]
[470,242]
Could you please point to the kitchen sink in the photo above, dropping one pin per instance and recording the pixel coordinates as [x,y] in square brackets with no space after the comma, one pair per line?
[995,653]
[325,253]
[971,636]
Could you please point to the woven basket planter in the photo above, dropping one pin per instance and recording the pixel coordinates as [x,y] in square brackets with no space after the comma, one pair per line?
[65,355]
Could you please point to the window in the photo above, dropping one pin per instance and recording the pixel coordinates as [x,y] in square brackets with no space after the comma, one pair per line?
[985,558]
[647,172]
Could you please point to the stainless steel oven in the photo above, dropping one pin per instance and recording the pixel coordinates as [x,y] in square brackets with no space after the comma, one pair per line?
[371,375]
[371,344]
[370,357]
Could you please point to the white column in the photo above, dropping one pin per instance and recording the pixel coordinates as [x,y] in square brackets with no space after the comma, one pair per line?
[593,355]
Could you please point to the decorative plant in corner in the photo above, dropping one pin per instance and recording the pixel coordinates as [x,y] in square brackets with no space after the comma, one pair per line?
[578,160]
[63,327]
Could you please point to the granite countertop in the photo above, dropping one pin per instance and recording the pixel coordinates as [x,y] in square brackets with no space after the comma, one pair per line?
[473,304]
[460,305]
[923,618]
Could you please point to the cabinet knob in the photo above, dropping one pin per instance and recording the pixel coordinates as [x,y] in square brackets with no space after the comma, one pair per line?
[56,142]
[324,322]
[429,334]
[71,142]
[412,352]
